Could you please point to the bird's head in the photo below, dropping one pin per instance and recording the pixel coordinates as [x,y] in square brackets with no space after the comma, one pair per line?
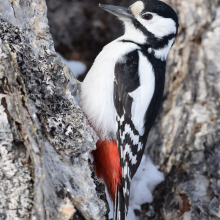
[150,22]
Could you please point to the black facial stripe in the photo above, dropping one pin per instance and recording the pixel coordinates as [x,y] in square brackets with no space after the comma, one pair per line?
[161,44]
[152,40]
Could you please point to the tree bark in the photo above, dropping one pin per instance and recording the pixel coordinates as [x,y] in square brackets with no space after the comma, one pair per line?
[45,138]
[185,141]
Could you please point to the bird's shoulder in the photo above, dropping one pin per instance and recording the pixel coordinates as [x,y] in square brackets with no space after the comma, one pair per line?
[126,71]
[118,48]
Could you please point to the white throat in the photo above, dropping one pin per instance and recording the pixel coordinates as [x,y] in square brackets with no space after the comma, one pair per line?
[133,34]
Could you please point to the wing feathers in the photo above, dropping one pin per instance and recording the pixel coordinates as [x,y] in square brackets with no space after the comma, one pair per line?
[138,91]
[126,81]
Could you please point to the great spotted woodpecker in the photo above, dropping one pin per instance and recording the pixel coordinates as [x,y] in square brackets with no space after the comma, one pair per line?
[122,93]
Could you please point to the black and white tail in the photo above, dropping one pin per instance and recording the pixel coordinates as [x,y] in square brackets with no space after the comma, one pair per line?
[119,208]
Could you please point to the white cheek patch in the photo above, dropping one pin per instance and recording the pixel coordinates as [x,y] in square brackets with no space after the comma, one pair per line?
[159,25]
[137,8]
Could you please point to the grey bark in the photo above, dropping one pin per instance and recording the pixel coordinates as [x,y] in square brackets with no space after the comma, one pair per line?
[45,138]
[185,141]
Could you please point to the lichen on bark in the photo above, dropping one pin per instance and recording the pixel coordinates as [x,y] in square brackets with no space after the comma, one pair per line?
[49,133]
[185,141]
[45,138]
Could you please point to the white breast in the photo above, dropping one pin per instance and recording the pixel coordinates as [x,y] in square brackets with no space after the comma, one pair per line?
[97,88]
[143,94]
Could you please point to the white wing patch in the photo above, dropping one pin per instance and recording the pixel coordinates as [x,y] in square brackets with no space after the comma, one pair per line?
[143,94]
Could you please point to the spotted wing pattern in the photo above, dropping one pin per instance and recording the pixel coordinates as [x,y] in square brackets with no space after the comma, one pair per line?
[130,143]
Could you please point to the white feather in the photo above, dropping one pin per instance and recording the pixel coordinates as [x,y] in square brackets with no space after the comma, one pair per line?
[128,151]
[140,145]
[135,138]
[137,8]
[158,25]
[133,34]
[97,88]
[143,94]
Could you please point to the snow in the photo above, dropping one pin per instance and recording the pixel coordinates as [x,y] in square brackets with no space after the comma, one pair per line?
[77,67]
[142,186]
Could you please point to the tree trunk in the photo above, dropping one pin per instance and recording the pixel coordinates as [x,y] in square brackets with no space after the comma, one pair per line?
[45,138]
[185,141]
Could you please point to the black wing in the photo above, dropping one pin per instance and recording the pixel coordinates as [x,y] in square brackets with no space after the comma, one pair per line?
[130,143]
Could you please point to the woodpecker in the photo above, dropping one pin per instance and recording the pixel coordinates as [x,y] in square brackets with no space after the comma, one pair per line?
[122,93]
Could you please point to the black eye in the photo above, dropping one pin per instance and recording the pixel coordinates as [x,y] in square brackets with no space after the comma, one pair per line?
[147,16]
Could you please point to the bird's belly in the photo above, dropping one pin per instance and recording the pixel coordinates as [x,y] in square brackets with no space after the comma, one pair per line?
[96,97]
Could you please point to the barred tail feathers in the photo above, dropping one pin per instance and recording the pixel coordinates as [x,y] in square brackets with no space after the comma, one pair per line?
[107,165]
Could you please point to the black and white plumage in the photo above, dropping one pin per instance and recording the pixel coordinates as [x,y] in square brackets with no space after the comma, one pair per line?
[122,93]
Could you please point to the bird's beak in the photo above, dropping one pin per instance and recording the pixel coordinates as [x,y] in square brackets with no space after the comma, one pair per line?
[120,12]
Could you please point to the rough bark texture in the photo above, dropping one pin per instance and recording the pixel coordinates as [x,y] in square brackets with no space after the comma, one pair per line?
[45,138]
[185,142]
